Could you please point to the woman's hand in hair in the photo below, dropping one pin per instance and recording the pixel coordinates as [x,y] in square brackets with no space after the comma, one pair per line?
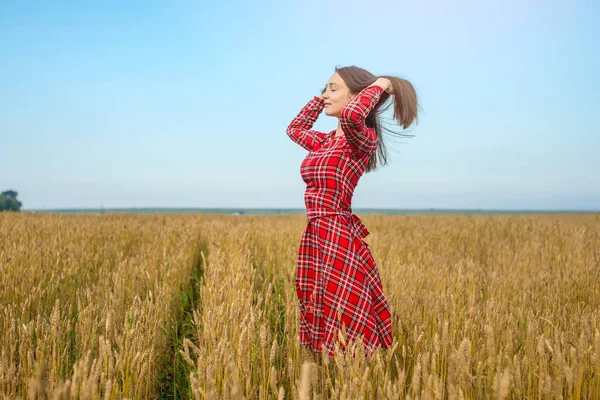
[384,83]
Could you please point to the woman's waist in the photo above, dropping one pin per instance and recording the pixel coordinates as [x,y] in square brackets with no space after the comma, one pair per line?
[319,212]
[326,201]
[355,224]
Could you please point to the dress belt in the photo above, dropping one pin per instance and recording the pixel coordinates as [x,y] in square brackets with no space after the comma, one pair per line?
[357,226]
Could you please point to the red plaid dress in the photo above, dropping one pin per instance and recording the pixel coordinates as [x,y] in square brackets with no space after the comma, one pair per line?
[336,276]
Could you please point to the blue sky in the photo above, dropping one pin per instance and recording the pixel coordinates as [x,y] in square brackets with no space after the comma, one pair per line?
[185,104]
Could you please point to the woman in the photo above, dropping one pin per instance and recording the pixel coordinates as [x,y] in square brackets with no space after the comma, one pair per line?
[337,282]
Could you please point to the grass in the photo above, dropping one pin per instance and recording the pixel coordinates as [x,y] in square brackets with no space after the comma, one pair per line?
[174,379]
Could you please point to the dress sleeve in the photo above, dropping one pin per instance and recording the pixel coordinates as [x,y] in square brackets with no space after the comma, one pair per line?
[300,130]
[352,120]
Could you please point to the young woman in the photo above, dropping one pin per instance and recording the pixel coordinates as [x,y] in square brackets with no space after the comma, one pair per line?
[337,282]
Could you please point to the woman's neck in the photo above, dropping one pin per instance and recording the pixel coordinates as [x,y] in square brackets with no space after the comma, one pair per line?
[339,131]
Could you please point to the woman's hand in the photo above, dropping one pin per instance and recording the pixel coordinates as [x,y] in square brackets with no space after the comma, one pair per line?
[322,93]
[384,83]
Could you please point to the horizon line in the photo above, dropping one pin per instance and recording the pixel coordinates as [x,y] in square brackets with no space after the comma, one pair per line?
[303,209]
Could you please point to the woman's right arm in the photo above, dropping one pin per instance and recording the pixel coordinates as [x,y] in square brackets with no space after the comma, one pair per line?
[300,129]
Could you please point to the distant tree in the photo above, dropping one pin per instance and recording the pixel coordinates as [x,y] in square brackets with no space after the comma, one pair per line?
[9,202]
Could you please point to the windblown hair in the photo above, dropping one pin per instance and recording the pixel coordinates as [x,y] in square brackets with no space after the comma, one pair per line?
[405,102]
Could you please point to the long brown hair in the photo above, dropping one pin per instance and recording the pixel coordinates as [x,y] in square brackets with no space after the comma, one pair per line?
[406,106]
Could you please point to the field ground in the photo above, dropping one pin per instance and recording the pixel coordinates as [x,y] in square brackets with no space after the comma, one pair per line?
[204,306]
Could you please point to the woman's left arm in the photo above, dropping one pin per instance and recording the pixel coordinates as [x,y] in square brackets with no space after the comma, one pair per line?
[352,117]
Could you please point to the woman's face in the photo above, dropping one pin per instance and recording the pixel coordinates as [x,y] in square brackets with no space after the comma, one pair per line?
[336,96]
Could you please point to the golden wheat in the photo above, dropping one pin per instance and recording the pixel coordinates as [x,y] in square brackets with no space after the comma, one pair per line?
[504,306]
[84,301]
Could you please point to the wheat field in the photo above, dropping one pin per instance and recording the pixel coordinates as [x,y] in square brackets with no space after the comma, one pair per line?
[203,306]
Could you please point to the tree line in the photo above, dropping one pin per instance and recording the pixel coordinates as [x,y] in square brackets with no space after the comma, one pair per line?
[9,202]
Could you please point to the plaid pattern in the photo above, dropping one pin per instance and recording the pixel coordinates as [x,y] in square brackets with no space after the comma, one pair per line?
[336,277]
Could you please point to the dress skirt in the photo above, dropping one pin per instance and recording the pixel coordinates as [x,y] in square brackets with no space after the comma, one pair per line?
[339,287]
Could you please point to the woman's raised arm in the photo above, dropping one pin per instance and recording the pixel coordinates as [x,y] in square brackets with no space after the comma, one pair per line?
[300,129]
[353,115]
